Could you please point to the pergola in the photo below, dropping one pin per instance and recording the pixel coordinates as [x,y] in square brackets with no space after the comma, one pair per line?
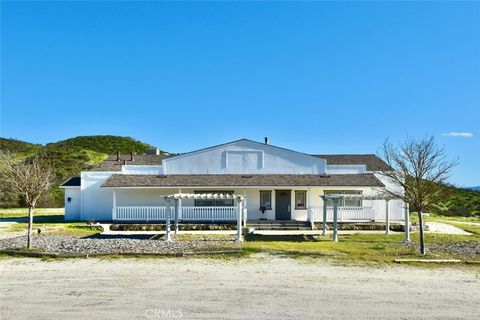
[240,199]
[335,199]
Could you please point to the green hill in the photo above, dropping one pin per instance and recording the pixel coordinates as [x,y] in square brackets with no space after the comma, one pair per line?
[459,202]
[68,157]
[20,148]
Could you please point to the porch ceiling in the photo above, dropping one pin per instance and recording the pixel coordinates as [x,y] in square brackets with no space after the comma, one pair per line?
[229,180]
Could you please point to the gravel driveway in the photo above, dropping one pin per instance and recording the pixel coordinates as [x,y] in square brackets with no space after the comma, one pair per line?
[261,287]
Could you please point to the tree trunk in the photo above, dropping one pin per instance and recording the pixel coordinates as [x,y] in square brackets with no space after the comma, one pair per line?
[30,226]
[422,238]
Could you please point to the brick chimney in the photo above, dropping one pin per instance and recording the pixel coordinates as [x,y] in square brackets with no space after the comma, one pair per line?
[118,156]
[131,157]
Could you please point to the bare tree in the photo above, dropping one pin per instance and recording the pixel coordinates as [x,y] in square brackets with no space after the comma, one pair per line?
[29,178]
[420,170]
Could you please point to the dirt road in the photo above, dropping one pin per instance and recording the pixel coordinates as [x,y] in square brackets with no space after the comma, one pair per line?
[251,288]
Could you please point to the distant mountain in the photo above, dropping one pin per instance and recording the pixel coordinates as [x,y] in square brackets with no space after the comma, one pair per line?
[477,188]
[68,157]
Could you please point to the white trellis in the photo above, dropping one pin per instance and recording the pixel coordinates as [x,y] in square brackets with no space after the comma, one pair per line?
[240,199]
[335,199]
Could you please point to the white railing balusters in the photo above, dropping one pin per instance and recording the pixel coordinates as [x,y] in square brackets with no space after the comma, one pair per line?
[345,214]
[188,213]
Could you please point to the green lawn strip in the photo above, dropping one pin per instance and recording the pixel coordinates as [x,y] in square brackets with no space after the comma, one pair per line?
[439,218]
[18,213]
[70,228]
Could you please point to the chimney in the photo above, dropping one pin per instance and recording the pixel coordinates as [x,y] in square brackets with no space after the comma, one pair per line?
[118,156]
[266,140]
[131,156]
[124,161]
[153,152]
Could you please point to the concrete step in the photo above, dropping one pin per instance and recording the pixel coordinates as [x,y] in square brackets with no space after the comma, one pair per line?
[280,226]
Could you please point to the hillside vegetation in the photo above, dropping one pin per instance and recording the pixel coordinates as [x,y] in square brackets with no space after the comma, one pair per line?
[460,202]
[68,157]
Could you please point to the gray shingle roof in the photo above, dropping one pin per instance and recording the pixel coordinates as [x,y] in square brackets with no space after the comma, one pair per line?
[372,162]
[111,163]
[227,180]
[72,182]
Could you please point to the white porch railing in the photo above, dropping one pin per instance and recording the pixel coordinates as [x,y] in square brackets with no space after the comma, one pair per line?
[186,213]
[345,214]
[141,213]
[208,213]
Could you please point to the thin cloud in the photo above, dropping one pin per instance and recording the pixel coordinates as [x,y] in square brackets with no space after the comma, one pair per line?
[458,134]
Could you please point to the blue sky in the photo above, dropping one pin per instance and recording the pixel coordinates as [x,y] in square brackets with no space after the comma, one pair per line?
[314,77]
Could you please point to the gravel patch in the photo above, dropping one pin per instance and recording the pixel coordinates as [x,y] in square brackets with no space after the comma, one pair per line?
[464,248]
[114,245]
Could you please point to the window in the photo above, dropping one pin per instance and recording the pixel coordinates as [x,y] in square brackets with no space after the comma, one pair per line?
[266,199]
[300,199]
[345,202]
[214,202]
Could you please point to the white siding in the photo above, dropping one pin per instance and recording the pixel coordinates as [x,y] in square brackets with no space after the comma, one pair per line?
[96,202]
[244,157]
[72,207]
[143,197]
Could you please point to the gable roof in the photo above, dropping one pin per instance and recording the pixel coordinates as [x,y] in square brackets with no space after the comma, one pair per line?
[233,180]
[72,182]
[372,162]
[111,163]
[239,140]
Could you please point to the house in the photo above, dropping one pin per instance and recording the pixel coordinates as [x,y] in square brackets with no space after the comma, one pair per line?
[277,184]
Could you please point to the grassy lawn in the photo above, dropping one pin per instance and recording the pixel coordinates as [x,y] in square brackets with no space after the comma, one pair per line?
[43,218]
[364,248]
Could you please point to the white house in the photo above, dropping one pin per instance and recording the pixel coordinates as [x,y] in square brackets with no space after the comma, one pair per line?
[286,184]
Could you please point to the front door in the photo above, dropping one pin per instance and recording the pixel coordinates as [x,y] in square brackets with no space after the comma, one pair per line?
[283,204]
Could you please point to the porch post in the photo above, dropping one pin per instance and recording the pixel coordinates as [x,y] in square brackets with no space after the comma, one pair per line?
[335,217]
[180,204]
[309,209]
[324,226]
[176,216]
[244,209]
[406,209]
[239,219]
[167,222]
[114,209]
[387,217]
